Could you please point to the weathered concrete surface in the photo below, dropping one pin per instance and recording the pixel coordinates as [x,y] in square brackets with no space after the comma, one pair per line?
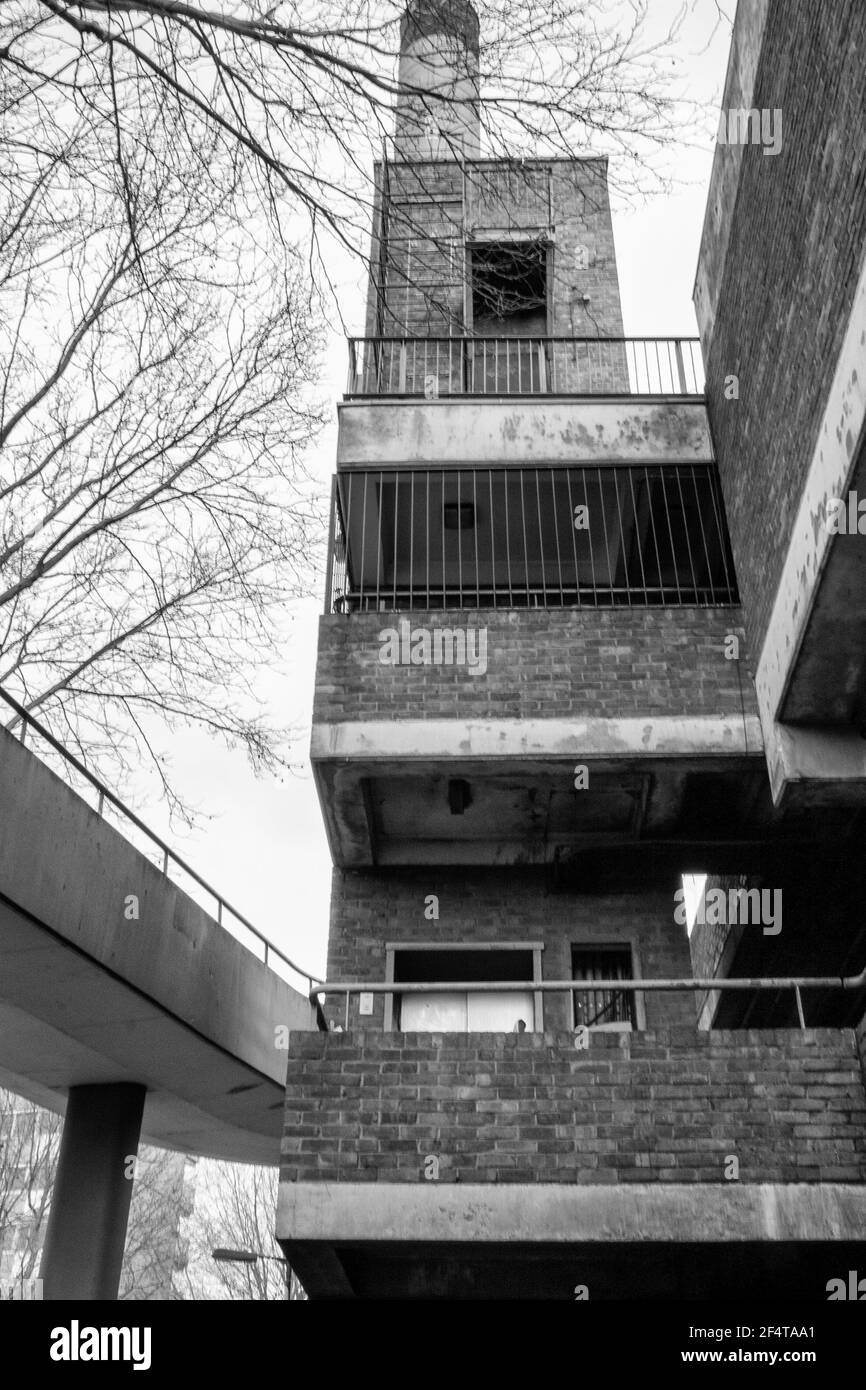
[562,1213]
[372,1240]
[526,429]
[811,664]
[382,786]
[171,1001]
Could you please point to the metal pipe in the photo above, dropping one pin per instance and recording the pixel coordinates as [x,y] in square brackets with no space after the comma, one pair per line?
[849,982]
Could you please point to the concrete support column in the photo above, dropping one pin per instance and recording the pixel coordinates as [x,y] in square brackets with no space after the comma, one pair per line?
[90,1203]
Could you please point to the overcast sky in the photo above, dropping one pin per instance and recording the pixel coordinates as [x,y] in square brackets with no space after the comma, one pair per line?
[261,842]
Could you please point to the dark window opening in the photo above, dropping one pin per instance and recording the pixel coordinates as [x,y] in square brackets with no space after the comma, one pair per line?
[603,1008]
[509,289]
[464,1010]
[462,965]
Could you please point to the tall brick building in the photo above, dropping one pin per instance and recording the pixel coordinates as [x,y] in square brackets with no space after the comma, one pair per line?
[536,708]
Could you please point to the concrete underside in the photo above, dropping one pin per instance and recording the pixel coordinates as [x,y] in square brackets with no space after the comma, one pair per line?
[75,1024]
[170,1001]
[384,787]
[644,1241]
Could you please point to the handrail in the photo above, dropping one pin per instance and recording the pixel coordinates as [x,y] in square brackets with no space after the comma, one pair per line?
[795,982]
[482,364]
[168,854]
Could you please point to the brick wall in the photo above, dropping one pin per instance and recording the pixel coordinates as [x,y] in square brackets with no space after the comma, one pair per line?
[543,663]
[432,217]
[797,233]
[668,1105]
[369,908]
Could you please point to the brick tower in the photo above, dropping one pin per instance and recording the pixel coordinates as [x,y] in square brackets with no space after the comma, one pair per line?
[533,713]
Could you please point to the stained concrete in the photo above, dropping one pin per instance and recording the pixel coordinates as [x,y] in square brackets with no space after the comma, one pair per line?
[550,430]
[171,1001]
[699,1240]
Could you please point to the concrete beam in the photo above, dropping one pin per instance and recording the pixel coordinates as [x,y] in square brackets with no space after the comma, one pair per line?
[497,740]
[110,973]
[841,435]
[800,754]
[343,1213]
[535,430]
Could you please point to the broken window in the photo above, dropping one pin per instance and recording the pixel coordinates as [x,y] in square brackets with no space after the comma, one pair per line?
[509,289]
[610,1009]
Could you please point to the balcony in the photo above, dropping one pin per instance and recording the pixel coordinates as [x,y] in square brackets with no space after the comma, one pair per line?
[433,1164]
[510,537]
[516,366]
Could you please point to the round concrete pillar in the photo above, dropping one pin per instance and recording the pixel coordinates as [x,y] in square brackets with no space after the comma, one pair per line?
[90,1202]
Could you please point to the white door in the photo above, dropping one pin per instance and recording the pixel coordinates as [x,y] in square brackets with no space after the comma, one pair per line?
[462,1013]
[433,1013]
[499,1013]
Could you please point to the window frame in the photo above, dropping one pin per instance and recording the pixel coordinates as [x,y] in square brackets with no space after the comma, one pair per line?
[392,947]
[630,944]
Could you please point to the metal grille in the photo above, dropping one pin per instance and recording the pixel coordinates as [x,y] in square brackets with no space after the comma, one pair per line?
[514,537]
[602,1006]
[480,366]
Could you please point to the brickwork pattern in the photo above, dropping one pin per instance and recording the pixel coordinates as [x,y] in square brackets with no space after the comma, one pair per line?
[369,908]
[664,1106]
[436,208]
[793,259]
[541,664]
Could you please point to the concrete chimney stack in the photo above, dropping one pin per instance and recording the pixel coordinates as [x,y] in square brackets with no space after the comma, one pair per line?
[437,109]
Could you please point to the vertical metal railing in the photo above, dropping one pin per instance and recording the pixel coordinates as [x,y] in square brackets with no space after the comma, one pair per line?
[485,366]
[512,537]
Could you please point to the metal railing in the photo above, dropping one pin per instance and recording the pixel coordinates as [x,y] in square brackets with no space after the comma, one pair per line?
[167,856]
[511,537]
[508,366]
[571,987]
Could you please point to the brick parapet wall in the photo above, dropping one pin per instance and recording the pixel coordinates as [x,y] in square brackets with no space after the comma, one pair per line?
[541,663]
[669,1105]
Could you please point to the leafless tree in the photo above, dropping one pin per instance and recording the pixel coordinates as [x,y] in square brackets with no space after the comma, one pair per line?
[235,1209]
[154,1255]
[29,1144]
[157,348]
[173,181]
[155,1251]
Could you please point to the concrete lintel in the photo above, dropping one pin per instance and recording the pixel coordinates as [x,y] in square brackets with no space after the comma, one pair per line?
[535,1213]
[839,438]
[440,740]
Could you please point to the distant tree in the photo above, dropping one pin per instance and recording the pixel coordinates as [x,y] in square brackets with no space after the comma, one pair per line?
[155,1252]
[235,1209]
[29,1144]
